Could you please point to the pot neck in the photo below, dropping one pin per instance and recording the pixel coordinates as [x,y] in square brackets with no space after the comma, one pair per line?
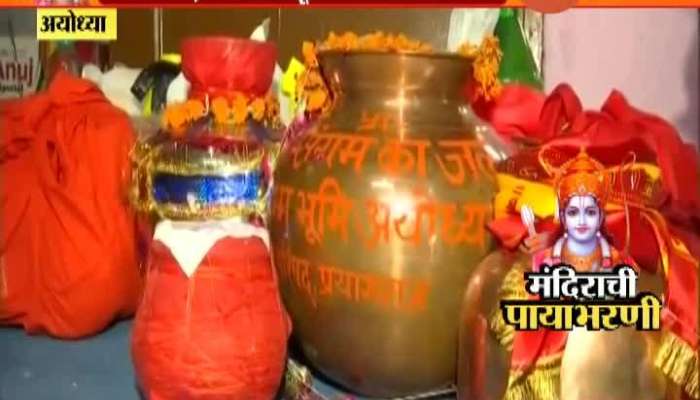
[399,80]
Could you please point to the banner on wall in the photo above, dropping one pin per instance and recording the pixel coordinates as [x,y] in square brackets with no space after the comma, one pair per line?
[20,67]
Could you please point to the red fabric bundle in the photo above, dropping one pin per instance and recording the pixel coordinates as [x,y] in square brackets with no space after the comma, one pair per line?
[221,334]
[69,260]
[559,119]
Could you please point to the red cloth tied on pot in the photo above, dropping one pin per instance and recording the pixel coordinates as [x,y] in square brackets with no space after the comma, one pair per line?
[221,334]
[220,66]
[665,234]
[69,260]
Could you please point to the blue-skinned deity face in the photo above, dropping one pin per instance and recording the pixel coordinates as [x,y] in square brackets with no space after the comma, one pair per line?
[582,218]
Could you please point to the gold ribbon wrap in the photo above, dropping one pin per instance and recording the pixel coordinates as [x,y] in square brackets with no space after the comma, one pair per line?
[677,360]
[542,382]
[513,288]
[147,162]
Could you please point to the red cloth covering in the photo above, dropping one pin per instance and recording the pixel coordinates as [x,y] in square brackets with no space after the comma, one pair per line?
[221,334]
[608,134]
[69,260]
[219,66]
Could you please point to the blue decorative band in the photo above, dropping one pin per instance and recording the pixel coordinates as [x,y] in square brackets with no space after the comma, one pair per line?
[207,190]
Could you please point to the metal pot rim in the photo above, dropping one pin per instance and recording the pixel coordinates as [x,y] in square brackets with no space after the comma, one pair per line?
[402,53]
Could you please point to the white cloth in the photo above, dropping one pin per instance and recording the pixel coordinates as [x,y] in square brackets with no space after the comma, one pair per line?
[261,31]
[116,86]
[470,25]
[177,90]
[190,241]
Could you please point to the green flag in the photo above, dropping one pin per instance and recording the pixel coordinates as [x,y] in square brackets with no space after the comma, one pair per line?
[518,64]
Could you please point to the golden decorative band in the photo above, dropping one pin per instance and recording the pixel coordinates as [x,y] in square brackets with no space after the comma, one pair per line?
[184,212]
[220,166]
[679,362]
[149,166]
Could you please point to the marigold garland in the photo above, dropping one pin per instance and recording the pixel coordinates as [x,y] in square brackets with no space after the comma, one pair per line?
[224,112]
[312,90]
[487,62]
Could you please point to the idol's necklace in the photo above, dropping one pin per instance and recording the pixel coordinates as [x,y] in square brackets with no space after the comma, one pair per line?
[582,263]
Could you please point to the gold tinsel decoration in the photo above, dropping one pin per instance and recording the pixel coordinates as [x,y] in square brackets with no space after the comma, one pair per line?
[679,362]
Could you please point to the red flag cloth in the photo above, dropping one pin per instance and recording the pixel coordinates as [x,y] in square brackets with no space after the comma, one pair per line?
[219,334]
[69,260]
[611,132]
[515,114]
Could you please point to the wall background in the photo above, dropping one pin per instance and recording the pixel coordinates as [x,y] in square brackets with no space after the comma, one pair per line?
[651,55]
[23,21]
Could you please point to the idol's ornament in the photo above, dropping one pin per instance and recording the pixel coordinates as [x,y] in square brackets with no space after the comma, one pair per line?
[629,198]
[379,210]
[211,323]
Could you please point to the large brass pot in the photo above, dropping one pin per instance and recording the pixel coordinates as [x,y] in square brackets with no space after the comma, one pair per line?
[378,217]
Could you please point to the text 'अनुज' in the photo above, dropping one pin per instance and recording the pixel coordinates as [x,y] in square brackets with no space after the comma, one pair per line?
[594,300]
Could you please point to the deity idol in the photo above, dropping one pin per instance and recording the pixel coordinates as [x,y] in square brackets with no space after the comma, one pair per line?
[580,193]
[550,365]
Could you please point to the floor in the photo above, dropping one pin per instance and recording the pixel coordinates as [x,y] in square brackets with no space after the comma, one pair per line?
[40,368]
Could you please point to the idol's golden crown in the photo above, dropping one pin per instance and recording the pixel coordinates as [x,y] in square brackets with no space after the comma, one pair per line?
[581,176]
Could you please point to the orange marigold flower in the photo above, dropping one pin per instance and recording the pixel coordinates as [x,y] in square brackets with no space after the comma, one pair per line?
[333,41]
[240,109]
[350,40]
[174,120]
[468,50]
[372,41]
[376,41]
[308,52]
[346,41]
[176,117]
[487,64]
[219,107]
[257,109]
[316,100]
[194,109]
